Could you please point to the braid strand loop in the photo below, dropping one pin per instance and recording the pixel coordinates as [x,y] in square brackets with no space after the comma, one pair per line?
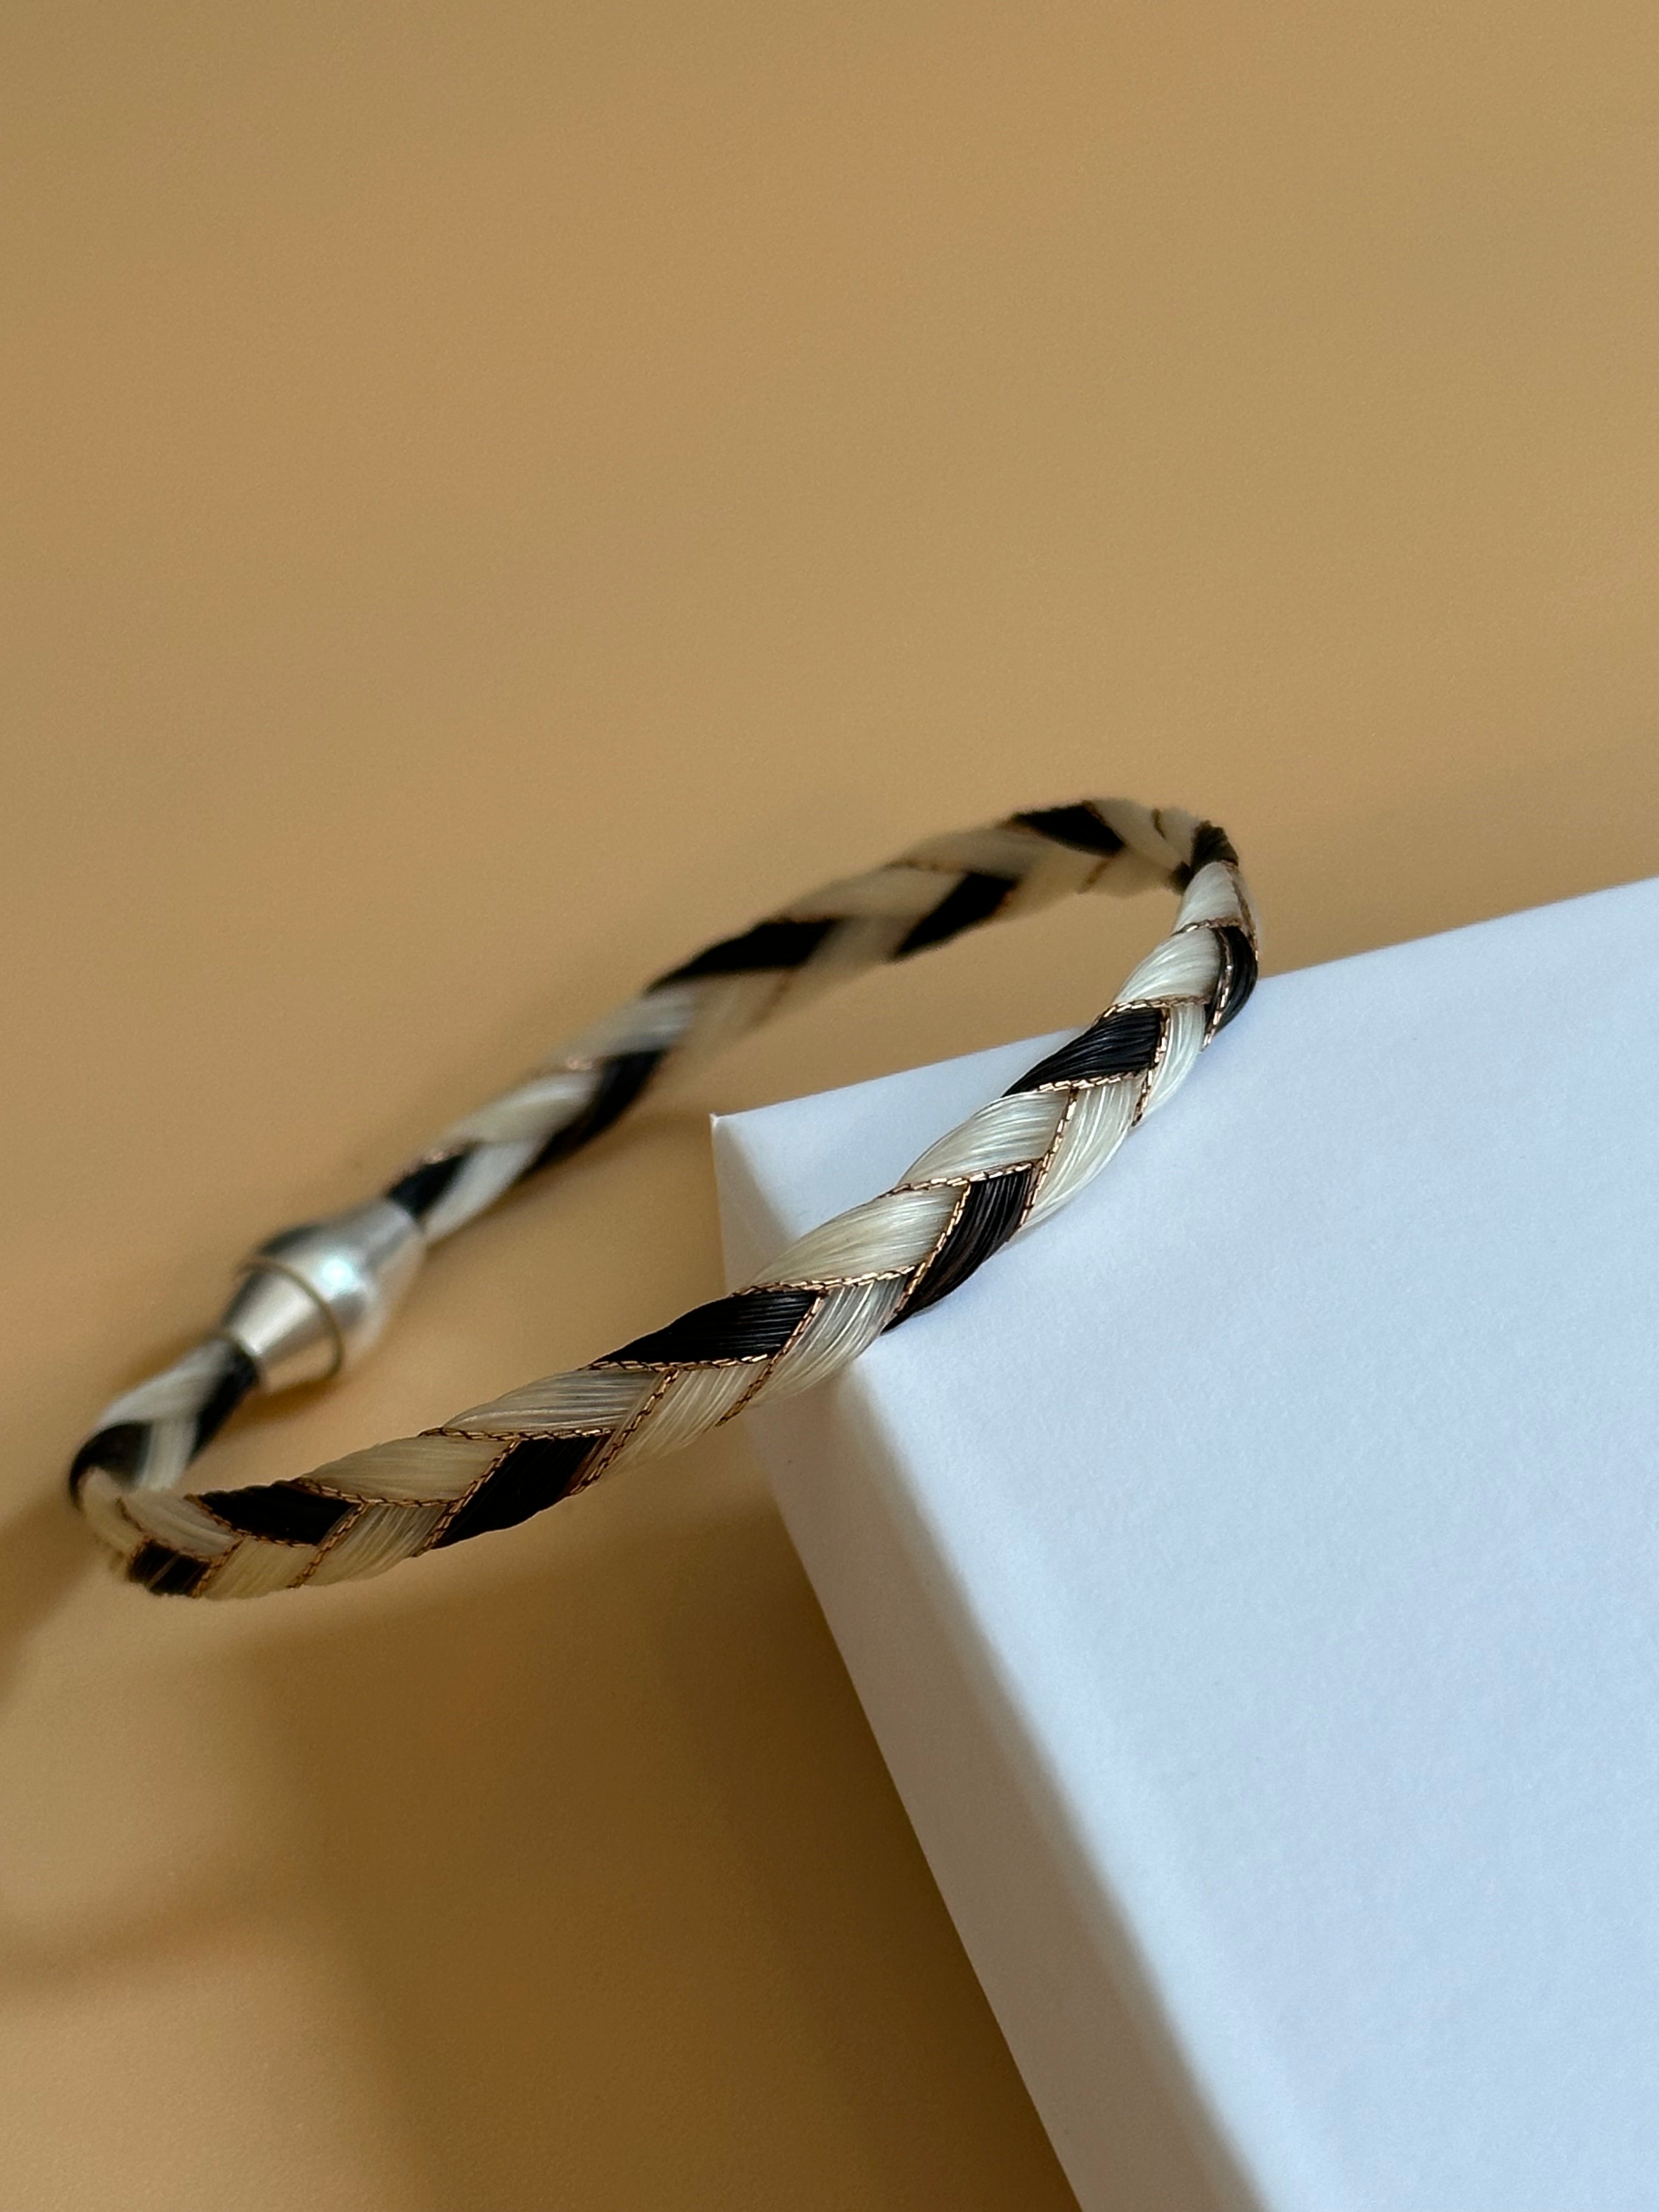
[314,1298]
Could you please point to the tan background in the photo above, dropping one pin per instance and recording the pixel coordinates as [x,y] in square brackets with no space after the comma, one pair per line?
[495,497]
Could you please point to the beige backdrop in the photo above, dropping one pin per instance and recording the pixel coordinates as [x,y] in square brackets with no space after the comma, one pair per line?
[496,495]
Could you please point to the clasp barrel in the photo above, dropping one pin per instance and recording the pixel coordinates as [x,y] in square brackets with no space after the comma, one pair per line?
[313,1300]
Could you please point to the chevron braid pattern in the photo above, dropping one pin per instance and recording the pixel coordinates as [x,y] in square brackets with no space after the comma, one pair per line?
[1008,1167]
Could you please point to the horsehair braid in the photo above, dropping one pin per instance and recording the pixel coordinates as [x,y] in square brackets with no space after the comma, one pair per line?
[313,1298]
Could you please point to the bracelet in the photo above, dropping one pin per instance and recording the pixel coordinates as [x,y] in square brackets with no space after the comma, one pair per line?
[314,1299]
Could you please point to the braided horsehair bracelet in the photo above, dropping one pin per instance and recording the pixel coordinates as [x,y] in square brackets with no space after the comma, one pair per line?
[315,1299]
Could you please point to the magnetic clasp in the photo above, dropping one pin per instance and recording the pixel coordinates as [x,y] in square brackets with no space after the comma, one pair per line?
[315,1299]
[285,1331]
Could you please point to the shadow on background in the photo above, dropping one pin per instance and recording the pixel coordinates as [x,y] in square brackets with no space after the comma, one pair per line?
[611,1857]
[44,1552]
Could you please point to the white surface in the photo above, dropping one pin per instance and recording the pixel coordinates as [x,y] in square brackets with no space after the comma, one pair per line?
[1253,1576]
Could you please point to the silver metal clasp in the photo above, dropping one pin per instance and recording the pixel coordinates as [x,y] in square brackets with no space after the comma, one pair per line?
[314,1299]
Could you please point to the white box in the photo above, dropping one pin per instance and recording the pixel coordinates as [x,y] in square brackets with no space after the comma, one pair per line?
[1251,1576]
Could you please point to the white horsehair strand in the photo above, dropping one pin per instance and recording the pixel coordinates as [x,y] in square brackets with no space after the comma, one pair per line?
[1006,1133]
